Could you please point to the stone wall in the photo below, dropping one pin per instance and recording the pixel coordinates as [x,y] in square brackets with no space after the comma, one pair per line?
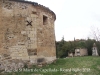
[26,31]
[81,52]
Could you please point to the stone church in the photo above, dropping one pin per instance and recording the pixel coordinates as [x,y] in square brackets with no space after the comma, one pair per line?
[26,31]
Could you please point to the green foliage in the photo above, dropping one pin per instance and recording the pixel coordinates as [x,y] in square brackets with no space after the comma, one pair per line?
[63,47]
[89,45]
[98,46]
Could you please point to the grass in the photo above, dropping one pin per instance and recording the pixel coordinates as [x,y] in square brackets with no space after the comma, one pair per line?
[87,65]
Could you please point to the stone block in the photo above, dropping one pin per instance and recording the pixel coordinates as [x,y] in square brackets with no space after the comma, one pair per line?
[33,57]
[25,52]
[21,43]
[33,46]
[20,51]
[33,15]
[28,29]
[13,50]
[32,32]
[30,35]
[32,39]
[25,58]
[18,57]
[14,57]
[33,29]
[25,55]
[23,32]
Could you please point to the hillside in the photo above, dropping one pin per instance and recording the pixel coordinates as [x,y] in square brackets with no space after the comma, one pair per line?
[87,65]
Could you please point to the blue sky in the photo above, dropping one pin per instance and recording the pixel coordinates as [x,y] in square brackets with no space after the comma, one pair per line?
[75,18]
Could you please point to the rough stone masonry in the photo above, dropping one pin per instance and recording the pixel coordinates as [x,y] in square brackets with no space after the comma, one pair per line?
[26,31]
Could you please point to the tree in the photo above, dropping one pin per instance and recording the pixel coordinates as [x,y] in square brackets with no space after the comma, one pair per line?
[89,45]
[61,48]
[95,32]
